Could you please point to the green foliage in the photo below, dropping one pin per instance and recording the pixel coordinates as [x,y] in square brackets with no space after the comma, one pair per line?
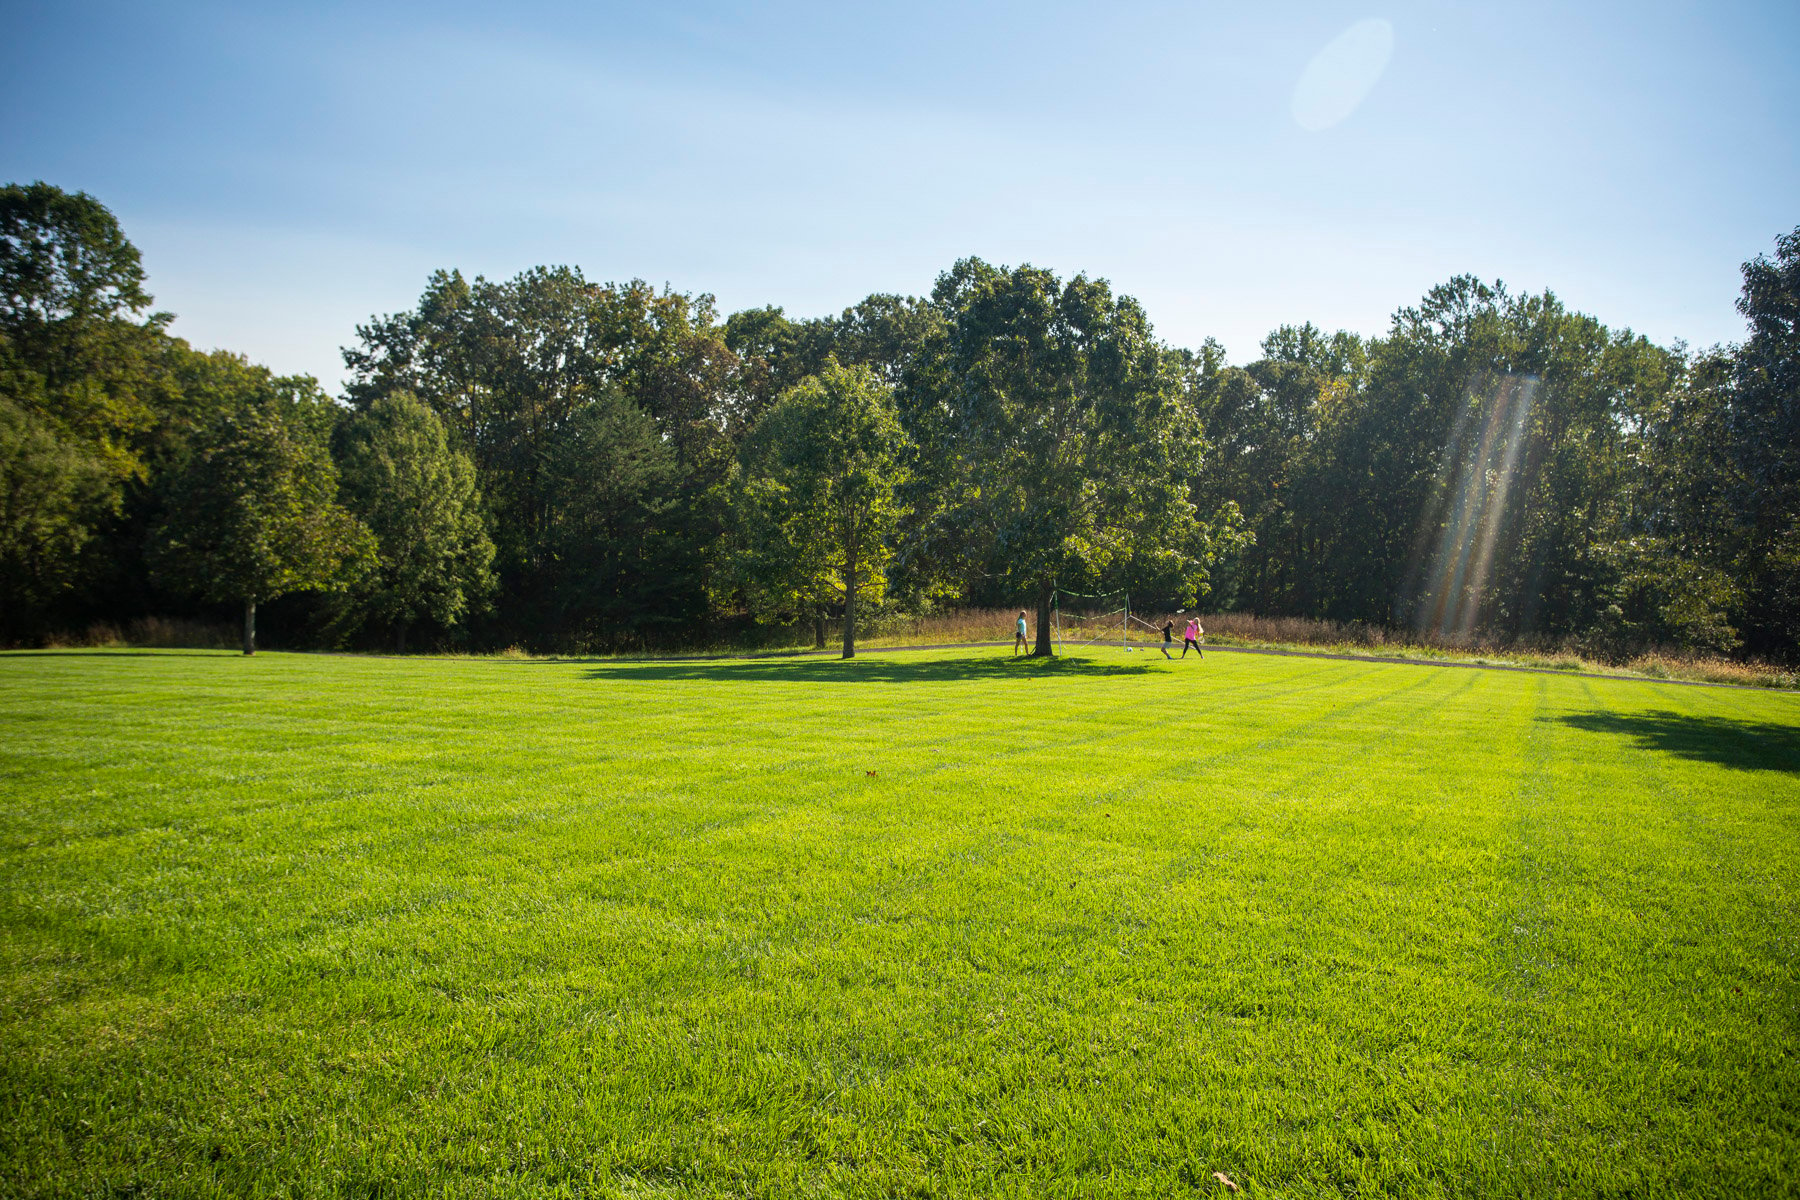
[79,376]
[505,364]
[49,493]
[1054,437]
[882,332]
[1495,466]
[621,567]
[71,305]
[63,258]
[417,497]
[773,353]
[816,501]
[511,368]
[1764,422]
[1464,474]
[254,514]
[1659,597]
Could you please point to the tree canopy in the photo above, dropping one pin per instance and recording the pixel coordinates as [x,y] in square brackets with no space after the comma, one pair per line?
[1060,447]
[550,462]
[80,388]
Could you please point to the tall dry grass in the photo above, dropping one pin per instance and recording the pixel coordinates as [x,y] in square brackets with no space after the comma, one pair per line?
[1245,629]
[971,626]
[99,635]
[162,633]
[174,632]
[1706,669]
[960,627]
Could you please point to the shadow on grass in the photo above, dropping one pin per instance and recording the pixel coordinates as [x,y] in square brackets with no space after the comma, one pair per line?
[1742,745]
[874,669]
[148,652]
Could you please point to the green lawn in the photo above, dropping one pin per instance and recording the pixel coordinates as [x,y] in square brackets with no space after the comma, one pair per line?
[921,924]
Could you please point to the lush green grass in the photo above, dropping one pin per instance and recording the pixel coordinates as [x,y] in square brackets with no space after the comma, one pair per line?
[921,924]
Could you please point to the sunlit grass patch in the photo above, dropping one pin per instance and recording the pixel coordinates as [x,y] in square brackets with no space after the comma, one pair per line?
[941,923]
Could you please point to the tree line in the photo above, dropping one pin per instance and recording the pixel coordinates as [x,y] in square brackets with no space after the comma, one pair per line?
[570,466]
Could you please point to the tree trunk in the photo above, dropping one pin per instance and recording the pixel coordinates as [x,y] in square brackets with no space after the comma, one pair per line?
[399,637]
[249,627]
[1044,649]
[818,629]
[850,609]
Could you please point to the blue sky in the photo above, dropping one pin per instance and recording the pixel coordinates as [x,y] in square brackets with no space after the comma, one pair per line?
[288,174]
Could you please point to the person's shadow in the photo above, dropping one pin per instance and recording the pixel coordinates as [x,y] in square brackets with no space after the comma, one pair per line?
[1724,741]
[874,668]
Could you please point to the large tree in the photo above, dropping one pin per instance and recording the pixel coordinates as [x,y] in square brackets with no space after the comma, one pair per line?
[254,514]
[817,501]
[511,367]
[417,496]
[80,384]
[1764,427]
[1056,438]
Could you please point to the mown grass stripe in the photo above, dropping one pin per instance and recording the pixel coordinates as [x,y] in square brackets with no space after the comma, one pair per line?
[415,926]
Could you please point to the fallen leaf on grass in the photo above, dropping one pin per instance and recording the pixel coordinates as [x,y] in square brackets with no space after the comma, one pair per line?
[1225,1179]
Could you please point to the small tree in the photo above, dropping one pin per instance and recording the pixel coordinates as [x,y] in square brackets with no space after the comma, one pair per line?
[818,484]
[417,496]
[254,515]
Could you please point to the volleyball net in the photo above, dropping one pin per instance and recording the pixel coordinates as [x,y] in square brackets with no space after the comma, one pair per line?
[1086,619]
